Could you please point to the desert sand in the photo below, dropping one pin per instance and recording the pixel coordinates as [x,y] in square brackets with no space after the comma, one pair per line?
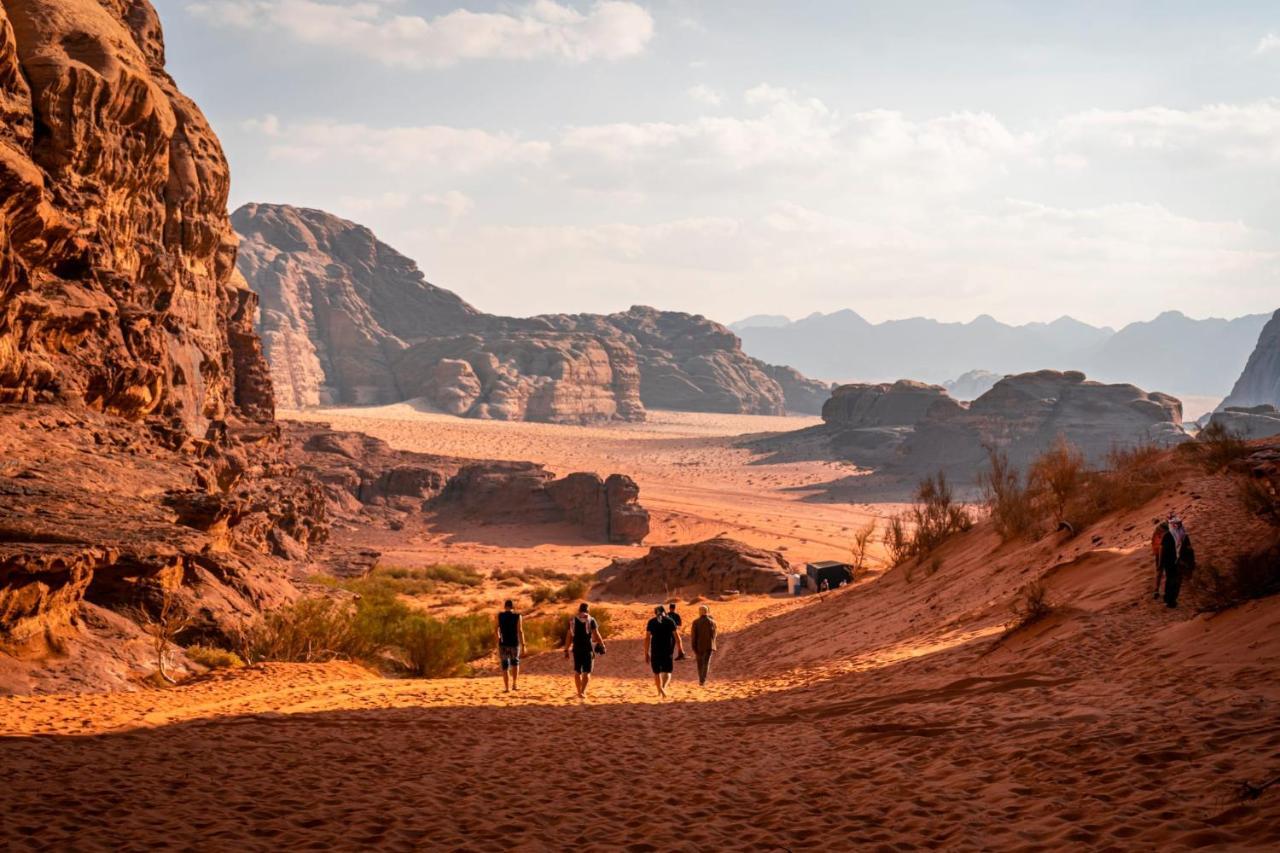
[896,713]
[694,479]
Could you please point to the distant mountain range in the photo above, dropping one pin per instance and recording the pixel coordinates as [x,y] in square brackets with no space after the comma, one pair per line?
[1172,353]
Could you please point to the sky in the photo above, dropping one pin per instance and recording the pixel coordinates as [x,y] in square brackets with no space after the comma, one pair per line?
[1103,160]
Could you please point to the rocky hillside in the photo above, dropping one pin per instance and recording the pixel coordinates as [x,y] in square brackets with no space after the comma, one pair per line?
[1259,384]
[347,319]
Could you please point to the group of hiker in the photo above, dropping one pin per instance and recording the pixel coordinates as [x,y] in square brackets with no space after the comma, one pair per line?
[663,644]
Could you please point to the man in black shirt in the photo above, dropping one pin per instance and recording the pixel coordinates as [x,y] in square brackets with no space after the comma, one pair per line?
[510,644]
[661,640]
[675,617]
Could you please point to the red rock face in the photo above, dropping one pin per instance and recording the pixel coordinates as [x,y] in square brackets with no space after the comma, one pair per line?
[116,255]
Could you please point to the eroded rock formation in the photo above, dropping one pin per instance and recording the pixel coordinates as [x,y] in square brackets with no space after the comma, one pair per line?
[713,566]
[1025,413]
[1259,384]
[116,255]
[346,319]
[524,492]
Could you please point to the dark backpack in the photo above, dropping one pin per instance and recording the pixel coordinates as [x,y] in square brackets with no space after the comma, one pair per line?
[582,632]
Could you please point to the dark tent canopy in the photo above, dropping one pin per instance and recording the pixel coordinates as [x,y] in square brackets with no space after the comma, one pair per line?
[829,570]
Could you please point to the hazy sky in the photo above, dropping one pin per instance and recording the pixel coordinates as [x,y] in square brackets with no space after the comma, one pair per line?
[1106,160]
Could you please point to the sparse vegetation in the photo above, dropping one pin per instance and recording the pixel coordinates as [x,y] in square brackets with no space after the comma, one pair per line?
[1132,476]
[1008,497]
[1252,575]
[1030,606]
[309,631]
[1260,498]
[860,545]
[162,621]
[1217,446]
[574,589]
[933,518]
[214,658]
[1059,475]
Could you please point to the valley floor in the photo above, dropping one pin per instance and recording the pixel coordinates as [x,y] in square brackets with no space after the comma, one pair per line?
[897,713]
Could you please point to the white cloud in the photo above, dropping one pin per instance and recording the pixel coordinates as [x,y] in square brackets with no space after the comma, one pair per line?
[1268,43]
[1246,133]
[542,29]
[455,204]
[394,149]
[704,94]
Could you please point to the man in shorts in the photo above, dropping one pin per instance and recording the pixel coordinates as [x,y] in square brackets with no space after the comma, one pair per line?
[661,640]
[582,641]
[510,644]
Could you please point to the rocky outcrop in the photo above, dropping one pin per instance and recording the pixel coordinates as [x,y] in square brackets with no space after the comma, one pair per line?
[524,493]
[1249,422]
[714,566]
[346,319]
[116,256]
[98,511]
[514,376]
[868,424]
[1260,382]
[1025,413]
[800,394]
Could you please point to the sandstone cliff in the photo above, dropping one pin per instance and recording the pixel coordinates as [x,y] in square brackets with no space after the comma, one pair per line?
[347,319]
[1260,382]
[116,255]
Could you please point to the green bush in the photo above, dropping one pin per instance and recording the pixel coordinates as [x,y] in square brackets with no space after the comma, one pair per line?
[308,631]
[431,648]
[214,658]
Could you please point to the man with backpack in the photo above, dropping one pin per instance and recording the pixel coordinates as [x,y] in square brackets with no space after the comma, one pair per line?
[584,642]
[661,640]
[510,644]
[1177,559]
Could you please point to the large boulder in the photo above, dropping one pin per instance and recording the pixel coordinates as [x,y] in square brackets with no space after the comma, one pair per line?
[1259,384]
[714,566]
[1249,422]
[526,493]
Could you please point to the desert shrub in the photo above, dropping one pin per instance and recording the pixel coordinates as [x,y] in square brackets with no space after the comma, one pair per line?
[1058,474]
[860,545]
[574,590]
[933,518]
[1260,498]
[897,541]
[541,595]
[432,648]
[1133,475]
[1007,496]
[1030,605]
[307,631]
[530,576]
[214,658]
[1254,574]
[1217,447]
